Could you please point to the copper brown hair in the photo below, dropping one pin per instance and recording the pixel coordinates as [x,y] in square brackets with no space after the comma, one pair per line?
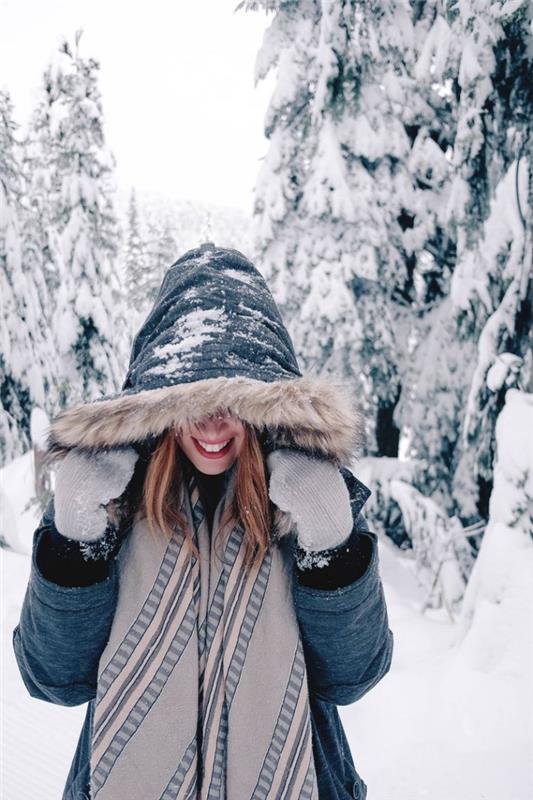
[250,506]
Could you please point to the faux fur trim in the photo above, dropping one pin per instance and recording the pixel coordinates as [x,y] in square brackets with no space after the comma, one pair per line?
[311,413]
[283,523]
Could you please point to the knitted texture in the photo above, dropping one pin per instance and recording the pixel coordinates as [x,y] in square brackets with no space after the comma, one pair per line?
[315,495]
[214,317]
[84,484]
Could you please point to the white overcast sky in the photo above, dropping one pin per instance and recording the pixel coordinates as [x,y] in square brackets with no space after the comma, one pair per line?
[182,115]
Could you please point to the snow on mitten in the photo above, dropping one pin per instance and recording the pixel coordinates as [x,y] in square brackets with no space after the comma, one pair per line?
[84,484]
[315,494]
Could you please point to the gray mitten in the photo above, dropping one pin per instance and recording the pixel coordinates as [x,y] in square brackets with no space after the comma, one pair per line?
[84,484]
[315,494]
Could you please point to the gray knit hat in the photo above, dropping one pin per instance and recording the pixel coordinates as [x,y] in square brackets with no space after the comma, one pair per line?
[215,340]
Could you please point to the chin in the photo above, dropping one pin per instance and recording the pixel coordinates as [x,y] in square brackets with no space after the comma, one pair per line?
[209,466]
[212,469]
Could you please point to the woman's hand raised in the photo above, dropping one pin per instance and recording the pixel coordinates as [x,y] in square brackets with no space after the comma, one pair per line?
[84,484]
[315,494]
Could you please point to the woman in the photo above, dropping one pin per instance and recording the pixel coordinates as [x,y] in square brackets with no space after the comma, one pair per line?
[204,577]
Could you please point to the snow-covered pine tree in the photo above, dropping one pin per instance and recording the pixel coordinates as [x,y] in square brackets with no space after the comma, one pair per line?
[429,118]
[41,186]
[89,322]
[477,82]
[436,373]
[41,254]
[135,264]
[491,207]
[445,199]
[26,360]
[161,251]
[330,195]
[475,109]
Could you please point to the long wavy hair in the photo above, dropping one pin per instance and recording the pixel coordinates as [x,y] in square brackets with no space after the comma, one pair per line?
[164,478]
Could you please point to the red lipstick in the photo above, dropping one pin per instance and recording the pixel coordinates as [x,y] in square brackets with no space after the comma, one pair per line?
[218,454]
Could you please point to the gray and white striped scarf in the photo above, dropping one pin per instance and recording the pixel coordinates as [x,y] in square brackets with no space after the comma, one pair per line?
[202,688]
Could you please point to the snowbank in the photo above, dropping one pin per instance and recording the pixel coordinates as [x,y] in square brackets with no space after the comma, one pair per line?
[19,516]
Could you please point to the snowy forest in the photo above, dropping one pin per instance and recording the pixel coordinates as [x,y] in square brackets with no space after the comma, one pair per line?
[393,221]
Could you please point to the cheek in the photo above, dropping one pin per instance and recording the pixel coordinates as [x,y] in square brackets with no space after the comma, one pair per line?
[239,443]
[186,444]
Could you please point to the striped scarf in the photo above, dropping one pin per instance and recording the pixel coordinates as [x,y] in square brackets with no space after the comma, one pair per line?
[202,687]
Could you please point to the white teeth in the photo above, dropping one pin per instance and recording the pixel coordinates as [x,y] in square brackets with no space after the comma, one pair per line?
[213,448]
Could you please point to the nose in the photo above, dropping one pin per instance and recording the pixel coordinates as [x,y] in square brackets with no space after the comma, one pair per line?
[214,423]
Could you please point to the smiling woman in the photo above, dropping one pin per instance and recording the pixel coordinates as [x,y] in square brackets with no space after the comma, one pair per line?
[219,475]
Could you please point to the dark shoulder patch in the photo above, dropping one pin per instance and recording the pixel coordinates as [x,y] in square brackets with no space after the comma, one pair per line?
[359,493]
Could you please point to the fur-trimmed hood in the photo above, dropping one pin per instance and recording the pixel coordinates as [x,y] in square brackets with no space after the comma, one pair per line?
[215,339]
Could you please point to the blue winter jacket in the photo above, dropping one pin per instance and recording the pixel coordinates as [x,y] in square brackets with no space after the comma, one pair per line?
[347,643]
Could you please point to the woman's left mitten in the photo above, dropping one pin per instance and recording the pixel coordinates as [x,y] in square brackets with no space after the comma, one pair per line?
[84,484]
[315,494]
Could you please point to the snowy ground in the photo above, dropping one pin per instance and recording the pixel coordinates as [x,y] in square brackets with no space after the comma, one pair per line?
[449,722]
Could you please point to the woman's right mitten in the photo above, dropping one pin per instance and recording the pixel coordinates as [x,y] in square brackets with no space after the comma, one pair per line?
[84,484]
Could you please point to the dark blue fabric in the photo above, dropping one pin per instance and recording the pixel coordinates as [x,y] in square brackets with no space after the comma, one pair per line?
[347,643]
[214,317]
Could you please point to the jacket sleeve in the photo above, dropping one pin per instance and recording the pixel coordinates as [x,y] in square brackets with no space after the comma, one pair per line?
[62,632]
[345,633]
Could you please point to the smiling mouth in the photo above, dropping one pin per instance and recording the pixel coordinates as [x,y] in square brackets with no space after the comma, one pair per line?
[213,449]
